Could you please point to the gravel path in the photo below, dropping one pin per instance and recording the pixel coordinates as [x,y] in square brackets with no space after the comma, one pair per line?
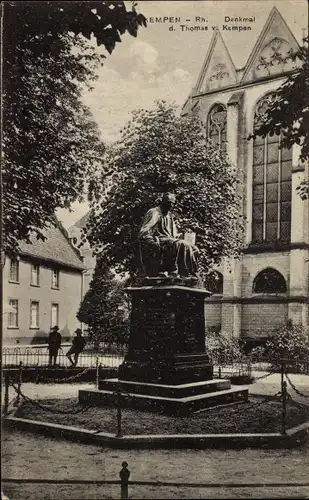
[34,456]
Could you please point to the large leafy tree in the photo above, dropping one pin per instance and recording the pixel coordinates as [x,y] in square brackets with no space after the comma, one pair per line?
[51,146]
[105,307]
[289,111]
[161,151]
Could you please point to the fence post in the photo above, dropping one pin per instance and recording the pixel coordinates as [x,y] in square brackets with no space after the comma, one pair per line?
[119,430]
[283,393]
[20,379]
[37,374]
[119,414]
[6,392]
[97,371]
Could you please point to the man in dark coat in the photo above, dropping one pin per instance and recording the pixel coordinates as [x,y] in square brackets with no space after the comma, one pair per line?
[78,345]
[54,344]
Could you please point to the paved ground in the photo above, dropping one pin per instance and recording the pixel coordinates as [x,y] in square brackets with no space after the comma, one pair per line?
[34,456]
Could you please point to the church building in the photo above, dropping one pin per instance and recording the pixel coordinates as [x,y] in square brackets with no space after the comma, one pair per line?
[269,283]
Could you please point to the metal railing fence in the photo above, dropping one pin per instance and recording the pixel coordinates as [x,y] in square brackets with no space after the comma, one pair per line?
[246,364]
[31,357]
[112,355]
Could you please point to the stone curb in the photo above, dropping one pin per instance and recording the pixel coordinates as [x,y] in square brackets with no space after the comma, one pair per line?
[294,437]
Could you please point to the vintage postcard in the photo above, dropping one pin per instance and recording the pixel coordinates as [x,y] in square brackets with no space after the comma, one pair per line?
[154,249]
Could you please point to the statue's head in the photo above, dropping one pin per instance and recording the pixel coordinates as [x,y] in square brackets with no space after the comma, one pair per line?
[168,201]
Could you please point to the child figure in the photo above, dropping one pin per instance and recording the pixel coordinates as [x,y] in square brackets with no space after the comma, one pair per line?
[124,478]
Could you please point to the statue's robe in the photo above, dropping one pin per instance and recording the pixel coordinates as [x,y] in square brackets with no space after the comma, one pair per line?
[161,249]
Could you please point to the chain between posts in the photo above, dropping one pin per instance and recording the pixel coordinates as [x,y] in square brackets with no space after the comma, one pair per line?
[68,379]
[121,393]
[48,408]
[306,396]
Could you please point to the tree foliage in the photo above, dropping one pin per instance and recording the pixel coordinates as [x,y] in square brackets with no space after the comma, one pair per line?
[223,346]
[51,145]
[160,151]
[289,111]
[105,307]
[288,342]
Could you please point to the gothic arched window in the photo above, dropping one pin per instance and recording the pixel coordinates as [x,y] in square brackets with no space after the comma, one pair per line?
[214,282]
[271,189]
[269,281]
[217,125]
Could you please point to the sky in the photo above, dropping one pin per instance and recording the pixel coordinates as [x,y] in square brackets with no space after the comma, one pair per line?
[164,64]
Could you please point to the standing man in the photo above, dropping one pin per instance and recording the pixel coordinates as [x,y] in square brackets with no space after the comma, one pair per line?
[54,344]
[78,345]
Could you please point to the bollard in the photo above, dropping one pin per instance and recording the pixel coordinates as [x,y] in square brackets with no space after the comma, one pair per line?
[6,392]
[124,480]
[219,372]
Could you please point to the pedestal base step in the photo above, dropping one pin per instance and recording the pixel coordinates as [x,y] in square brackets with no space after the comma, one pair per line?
[169,405]
[164,390]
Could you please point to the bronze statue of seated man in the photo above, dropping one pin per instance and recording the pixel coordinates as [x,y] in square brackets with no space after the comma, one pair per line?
[162,251]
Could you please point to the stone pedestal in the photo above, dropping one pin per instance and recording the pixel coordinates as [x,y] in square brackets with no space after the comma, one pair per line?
[166,368]
[167,335]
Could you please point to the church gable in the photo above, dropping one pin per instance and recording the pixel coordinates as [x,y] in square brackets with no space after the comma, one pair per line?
[218,69]
[271,54]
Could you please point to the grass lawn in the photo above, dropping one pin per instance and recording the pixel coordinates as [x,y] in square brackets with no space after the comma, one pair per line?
[257,415]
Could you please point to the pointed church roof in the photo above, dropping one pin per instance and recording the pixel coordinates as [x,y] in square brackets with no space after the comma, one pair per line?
[269,56]
[271,49]
[218,68]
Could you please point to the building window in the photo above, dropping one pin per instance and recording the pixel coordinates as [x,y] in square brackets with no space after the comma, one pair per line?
[54,315]
[13,314]
[14,270]
[272,185]
[34,314]
[55,278]
[217,126]
[214,282]
[269,281]
[35,275]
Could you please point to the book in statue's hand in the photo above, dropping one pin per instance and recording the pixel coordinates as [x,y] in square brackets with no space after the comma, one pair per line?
[190,237]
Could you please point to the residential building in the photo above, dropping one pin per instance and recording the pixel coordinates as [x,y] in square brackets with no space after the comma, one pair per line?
[75,234]
[43,287]
[269,283]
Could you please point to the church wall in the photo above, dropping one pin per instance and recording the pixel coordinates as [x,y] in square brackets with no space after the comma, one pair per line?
[213,316]
[258,320]
[237,316]
[253,264]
